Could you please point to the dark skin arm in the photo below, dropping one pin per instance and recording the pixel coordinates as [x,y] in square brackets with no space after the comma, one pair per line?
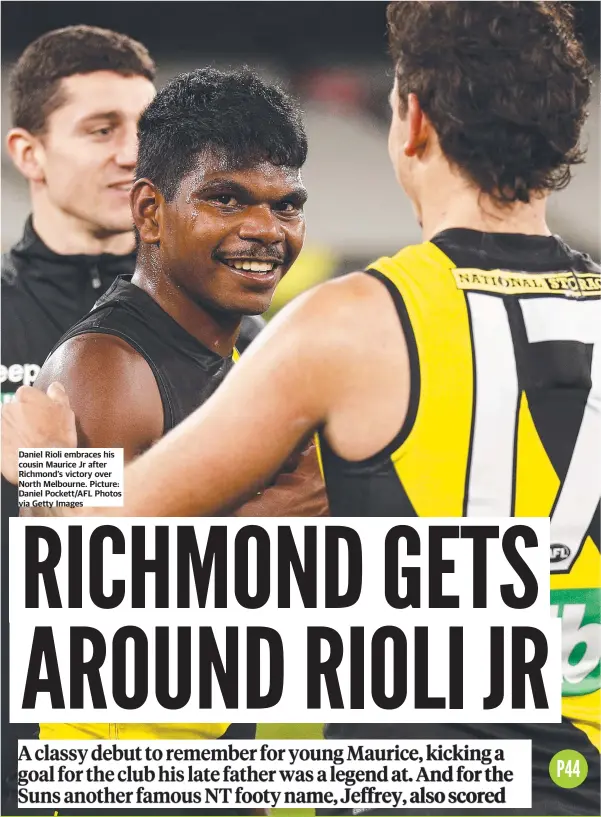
[116,402]
[305,371]
[298,490]
[112,391]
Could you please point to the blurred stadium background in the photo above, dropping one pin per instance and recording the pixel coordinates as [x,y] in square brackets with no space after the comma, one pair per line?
[332,55]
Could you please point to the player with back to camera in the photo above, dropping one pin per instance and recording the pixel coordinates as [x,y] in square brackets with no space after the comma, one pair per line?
[483,397]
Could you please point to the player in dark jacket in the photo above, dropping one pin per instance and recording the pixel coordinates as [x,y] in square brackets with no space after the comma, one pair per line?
[76,96]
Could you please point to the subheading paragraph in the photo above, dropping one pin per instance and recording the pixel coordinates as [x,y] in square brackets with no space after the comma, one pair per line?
[279,773]
[70,477]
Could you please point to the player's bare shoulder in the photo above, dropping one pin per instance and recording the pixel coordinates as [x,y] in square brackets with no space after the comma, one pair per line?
[87,355]
[112,391]
[355,315]
[349,312]
[366,356]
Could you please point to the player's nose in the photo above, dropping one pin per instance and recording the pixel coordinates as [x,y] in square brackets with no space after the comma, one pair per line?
[127,149]
[261,224]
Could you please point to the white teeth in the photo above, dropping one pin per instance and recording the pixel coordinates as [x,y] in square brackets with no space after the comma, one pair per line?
[253,266]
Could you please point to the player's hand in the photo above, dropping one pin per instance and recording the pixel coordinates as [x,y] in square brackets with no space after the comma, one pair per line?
[297,490]
[35,420]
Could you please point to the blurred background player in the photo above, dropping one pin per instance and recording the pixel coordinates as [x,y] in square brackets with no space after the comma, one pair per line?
[76,96]
[483,397]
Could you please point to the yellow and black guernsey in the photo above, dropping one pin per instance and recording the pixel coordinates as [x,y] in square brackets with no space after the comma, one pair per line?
[504,420]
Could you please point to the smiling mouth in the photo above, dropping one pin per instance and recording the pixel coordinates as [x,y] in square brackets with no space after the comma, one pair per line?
[251,265]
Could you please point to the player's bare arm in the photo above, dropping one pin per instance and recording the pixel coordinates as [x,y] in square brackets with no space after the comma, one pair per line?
[107,397]
[116,403]
[312,367]
[112,392]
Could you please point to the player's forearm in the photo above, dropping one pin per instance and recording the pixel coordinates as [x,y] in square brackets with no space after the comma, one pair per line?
[224,450]
[184,475]
[298,490]
[208,463]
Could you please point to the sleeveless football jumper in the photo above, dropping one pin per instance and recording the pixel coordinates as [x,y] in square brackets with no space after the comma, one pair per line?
[504,419]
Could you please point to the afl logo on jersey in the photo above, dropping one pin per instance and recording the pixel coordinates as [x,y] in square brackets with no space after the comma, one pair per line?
[560,553]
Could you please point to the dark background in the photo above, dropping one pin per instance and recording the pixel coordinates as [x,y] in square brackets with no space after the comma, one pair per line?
[296,33]
[333,56]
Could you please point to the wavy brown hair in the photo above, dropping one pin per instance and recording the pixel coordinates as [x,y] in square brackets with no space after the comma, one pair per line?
[35,80]
[505,85]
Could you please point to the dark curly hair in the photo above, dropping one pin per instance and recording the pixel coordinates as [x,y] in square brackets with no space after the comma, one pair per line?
[505,86]
[233,113]
[35,90]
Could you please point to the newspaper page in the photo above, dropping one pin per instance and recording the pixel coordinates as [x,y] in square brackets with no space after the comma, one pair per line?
[301,398]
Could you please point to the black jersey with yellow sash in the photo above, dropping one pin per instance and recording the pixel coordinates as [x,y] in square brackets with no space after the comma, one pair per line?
[186,373]
[504,420]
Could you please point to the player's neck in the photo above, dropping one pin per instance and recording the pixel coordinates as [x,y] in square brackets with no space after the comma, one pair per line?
[216,330]
[452,202]
[68,235]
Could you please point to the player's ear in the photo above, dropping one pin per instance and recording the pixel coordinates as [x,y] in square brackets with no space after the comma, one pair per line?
[417,125]
[27,153]
[145,201]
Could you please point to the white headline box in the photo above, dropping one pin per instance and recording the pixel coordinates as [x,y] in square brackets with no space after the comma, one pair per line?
[262,644]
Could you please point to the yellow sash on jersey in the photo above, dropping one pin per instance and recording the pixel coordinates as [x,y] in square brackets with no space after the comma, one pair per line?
[432,462]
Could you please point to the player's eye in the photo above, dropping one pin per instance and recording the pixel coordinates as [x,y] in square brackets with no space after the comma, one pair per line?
[104,131]
[226,199]
[288,207]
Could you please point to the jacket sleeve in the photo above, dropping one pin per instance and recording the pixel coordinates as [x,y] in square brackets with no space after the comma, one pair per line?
[18,366]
